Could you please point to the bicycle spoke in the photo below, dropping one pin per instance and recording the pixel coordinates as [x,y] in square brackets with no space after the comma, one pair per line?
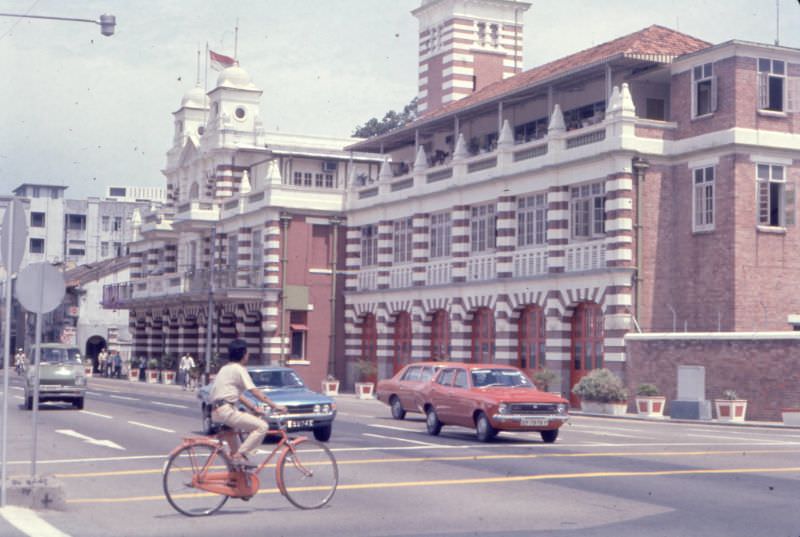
[307,474]
[180,470]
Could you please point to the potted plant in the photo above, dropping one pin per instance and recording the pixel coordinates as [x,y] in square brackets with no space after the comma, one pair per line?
[791,416]
[365,378]
[649,401]
[330,386]
[602,392]
[730,407]
[152,371]
[542,378]
[88,366]
[168,364]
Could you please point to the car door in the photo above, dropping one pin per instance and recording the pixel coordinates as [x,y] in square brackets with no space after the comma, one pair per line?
[461,402]
[441,392]
[408,386]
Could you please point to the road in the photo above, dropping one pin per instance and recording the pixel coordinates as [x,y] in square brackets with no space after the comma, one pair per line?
[603,477]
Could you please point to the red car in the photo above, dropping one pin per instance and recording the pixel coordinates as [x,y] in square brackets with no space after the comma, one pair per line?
[402,391]
[491,398]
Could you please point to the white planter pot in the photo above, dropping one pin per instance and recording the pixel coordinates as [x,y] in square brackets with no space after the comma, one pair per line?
[168,377]
[151,375]
[364,390]
[728,410]
[330,387]
[133,375]
[650,406]
[613,409]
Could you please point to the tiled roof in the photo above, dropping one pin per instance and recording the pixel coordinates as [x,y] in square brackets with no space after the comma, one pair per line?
[655,43]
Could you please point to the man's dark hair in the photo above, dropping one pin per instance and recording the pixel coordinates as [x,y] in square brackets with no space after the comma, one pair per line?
[236,350]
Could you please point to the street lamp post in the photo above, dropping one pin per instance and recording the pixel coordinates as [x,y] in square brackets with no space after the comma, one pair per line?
[106,22]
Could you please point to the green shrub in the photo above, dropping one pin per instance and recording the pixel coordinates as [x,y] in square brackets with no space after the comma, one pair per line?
[730,395]
[601,386]
[647,390]
[543,377]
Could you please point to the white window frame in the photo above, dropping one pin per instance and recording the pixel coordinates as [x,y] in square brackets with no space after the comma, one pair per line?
[769,69]
[587,211]
[369,245]
[403,240]
[482,228]
[703,202]
[532,220]
[703,77]
[440,235]
[773,188]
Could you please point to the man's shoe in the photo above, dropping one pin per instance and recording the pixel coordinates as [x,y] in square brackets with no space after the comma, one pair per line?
[243,462]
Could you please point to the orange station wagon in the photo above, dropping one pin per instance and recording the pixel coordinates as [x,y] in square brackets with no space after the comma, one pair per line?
[491,398]
[402,391]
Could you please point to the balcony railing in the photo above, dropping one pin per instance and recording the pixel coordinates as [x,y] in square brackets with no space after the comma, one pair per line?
[400,277]
[530,262]
[367,280]
[482,268]
[227,278]
[588,256]
[438,273]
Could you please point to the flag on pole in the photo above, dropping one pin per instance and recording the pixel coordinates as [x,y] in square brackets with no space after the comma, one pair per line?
[220,61]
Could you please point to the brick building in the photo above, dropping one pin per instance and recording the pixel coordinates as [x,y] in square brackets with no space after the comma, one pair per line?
[645,184]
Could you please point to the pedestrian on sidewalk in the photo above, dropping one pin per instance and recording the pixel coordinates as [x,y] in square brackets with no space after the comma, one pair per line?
[116,362]
[102,360]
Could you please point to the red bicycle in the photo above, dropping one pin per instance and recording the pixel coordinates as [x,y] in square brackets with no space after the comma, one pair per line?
[199,475]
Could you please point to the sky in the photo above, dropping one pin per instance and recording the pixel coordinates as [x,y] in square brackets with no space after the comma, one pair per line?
[87,111]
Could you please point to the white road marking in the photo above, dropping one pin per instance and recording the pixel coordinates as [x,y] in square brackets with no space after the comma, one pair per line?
[605,433]
[138,424]
[752,440]
[169,404]
[17,388]
[124,397]
[401,439]
[29,523]
[579,427]
[106,416]
[89,439]
[393,428]
[18,397]
[93,393]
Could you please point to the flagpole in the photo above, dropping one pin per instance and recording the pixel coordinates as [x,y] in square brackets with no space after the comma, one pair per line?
[205,88]
[236,41]
[197,81]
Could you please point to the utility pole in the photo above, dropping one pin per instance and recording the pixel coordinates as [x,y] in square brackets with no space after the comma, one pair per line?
[210,312]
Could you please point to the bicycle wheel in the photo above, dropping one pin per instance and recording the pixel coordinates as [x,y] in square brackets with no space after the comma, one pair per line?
[307,473]
[182,467]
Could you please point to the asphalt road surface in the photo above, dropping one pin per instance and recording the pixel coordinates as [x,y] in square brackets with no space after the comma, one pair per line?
[603,477]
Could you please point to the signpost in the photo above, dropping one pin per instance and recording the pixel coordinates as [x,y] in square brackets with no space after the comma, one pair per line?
[12,248]
[40,289]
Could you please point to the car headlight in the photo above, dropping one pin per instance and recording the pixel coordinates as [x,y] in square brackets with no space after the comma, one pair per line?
[326,408]
[562,408]
[503,408]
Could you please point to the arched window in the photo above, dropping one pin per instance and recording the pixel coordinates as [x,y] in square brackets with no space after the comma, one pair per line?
[483,336]
[369,341]
[402,340]
[587,341]
[440,336]
[530,353]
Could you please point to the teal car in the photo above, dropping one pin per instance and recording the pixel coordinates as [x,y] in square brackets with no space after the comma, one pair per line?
[61,375]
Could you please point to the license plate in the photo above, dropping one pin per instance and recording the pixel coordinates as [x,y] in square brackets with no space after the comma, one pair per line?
[298,424]
[534,422]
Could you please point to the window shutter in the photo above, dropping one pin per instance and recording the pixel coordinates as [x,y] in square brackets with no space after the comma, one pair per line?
[763,90]
[790,204]
[713,94]
[793,94]
[763,202]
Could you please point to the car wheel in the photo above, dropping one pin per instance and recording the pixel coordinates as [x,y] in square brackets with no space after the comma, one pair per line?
[29,403]
[483,429]
[208,425]
[78,403]
[432,422]
[397,408]
[322,433]
[548,437]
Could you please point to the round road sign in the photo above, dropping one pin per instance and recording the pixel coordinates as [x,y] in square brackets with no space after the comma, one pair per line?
[40,287]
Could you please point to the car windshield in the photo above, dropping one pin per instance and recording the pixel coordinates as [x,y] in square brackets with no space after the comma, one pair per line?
[276,379]
[482,378]
[58,355]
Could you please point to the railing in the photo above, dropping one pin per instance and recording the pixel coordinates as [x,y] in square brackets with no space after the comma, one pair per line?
[227,278]
[438,273]
[116,294]
[482,268]
[588,256]
[367,280]
[530,262]
[586,139]
[400,277]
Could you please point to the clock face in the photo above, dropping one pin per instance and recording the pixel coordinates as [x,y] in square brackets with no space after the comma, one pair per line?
[240,112]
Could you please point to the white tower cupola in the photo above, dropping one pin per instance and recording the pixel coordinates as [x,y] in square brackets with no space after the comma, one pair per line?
[234,113]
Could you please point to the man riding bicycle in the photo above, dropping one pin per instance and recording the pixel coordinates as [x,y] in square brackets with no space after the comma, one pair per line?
[231,383]
[19,361]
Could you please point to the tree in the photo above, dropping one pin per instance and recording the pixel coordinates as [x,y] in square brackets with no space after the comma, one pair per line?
[391,121]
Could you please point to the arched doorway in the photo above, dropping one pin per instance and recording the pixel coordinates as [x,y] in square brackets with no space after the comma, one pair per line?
[531,348]
[93,347]
[369,344]
[440,336]
[587,343]
[402,340]
[483,336]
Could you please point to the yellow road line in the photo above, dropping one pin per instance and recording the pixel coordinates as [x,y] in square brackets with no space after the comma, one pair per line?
[481,481]
[473,458]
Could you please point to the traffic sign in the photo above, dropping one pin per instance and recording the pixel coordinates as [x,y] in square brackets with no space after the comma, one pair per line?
[14,233]
[40,287]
